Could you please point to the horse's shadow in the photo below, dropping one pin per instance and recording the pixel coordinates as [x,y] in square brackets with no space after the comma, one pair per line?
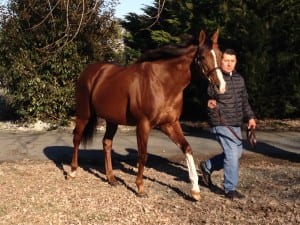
[92,160]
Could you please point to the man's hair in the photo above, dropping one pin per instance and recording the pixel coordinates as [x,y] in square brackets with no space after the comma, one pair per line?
[229,51]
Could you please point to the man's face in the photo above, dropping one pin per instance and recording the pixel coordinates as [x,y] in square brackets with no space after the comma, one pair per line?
[228,62]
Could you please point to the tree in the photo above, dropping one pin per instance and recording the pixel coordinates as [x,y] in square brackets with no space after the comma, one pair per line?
[179,23]
[43,47]
[264,33]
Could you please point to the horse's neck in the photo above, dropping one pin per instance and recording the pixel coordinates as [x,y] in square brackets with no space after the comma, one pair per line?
[179,68]
[191,52]
[184,62]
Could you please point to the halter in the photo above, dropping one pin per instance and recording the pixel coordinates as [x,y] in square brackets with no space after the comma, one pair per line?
[198,61]
[209,73]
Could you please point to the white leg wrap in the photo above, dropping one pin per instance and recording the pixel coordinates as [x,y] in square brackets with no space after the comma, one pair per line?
[192,172]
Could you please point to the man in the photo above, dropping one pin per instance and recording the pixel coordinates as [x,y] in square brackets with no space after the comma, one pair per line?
[226,113]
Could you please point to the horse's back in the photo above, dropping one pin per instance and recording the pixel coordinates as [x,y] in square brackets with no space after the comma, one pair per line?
[92,72]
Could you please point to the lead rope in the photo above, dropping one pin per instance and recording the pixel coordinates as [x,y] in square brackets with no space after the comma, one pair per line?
[217,112]
[250,132]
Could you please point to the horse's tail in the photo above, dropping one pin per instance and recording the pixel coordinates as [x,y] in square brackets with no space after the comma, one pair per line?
[84,106]
[83,94]
[90,129]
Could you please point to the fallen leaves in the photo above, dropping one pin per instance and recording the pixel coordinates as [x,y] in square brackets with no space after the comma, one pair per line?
[36,192]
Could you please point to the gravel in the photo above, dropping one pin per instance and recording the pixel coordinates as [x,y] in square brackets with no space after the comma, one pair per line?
[37,192]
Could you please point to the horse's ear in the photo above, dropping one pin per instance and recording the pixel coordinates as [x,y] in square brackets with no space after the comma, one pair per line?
[202,37]
[214,38]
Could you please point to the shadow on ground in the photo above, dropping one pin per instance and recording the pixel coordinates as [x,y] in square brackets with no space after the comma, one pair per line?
[261,147]
[91,160]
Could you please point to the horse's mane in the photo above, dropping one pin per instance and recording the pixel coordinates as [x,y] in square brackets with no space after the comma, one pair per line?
[165,52]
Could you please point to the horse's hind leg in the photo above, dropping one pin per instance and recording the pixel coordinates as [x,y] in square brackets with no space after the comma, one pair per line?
[107,141]
[77,136]
[175,133]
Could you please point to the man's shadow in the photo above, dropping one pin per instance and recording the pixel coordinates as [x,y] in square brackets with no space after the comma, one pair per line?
[272,151]
[261,147]
[92,160]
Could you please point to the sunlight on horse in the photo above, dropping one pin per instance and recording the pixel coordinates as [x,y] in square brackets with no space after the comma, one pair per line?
[146,94]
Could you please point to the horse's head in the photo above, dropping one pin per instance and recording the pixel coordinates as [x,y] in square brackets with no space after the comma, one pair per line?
[208,59]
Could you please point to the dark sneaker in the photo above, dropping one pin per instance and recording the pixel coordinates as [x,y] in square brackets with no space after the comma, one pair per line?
[234,194]
[206,176]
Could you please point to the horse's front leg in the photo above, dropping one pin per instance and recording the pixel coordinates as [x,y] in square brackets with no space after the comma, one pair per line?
[142,133]
[107,142]
[175,133]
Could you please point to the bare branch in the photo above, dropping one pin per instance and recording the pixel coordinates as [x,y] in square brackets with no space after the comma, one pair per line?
[80,23]
[157,16]
[83,12]
[47,16]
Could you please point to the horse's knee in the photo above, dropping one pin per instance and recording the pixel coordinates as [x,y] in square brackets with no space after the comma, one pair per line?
[187,149]
[107,144]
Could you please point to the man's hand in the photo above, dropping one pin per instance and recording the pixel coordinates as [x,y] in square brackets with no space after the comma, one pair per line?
[252,124]
[212,103]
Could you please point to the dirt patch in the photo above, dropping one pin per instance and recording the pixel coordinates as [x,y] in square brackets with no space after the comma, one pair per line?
[33,192]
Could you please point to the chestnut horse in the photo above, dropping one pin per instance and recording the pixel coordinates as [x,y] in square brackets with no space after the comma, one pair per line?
[146,94]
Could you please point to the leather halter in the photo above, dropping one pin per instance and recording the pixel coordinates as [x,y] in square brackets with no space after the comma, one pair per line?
[208,74]
[198,61]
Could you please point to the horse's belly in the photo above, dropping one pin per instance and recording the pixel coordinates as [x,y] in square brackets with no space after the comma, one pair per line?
[113,108]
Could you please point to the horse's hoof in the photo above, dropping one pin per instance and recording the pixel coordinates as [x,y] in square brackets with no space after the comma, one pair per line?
[113,183]
[71,175]
[196,195]
[142,195]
